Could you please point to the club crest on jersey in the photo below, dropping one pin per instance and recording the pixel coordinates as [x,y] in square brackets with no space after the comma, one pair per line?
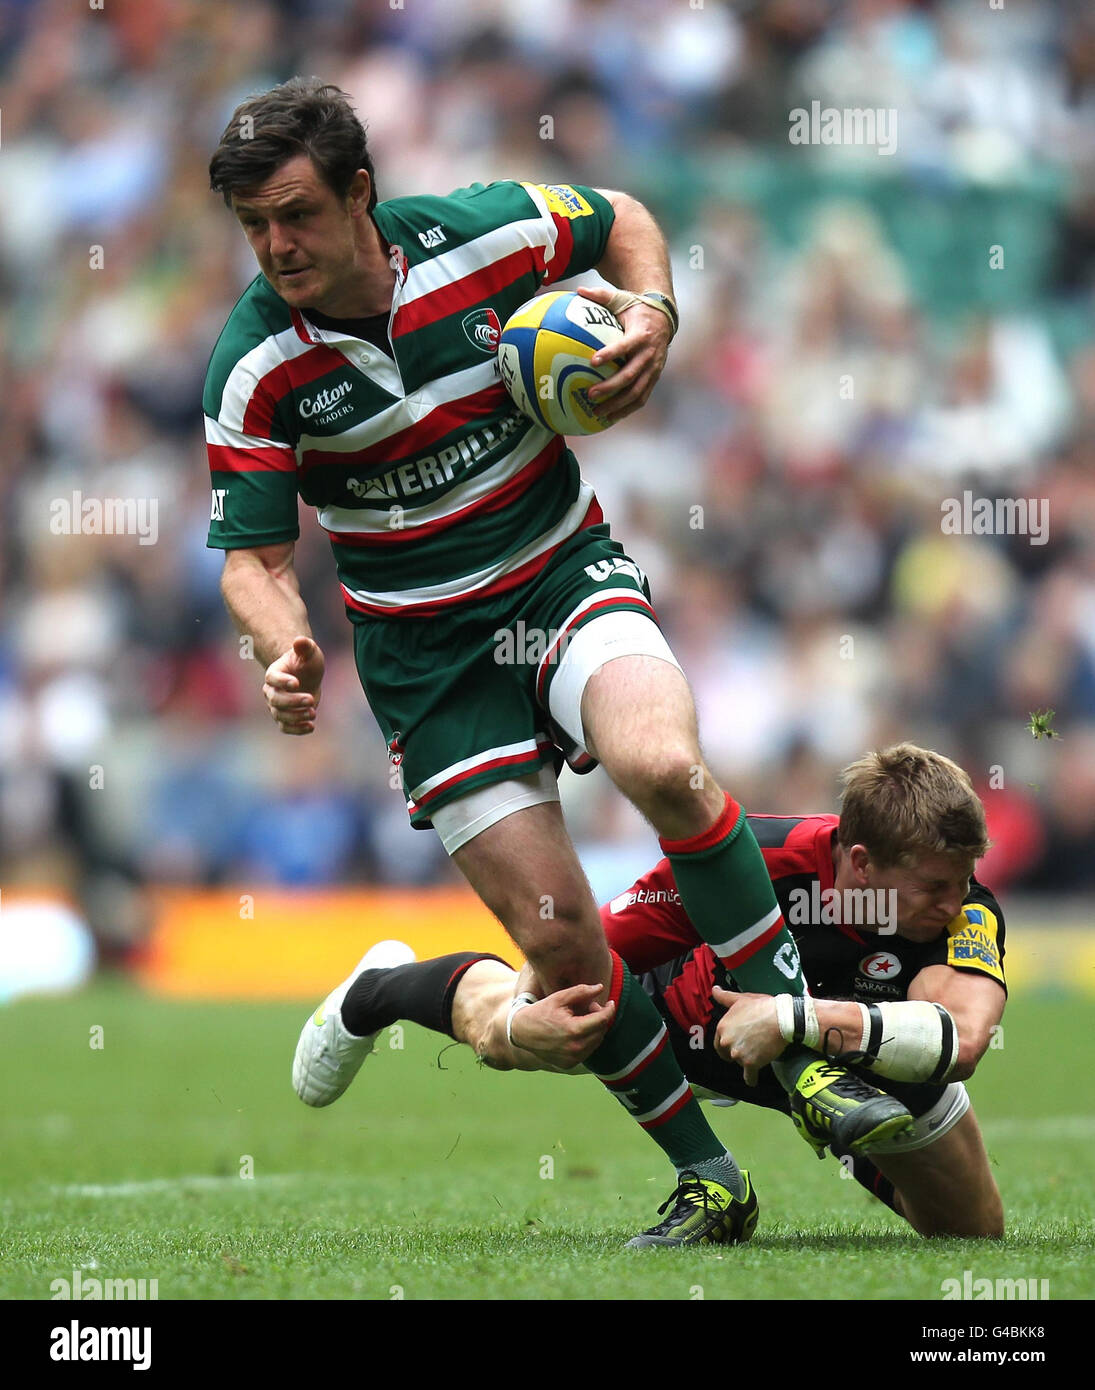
[880,965]
[395,749]
[483,329]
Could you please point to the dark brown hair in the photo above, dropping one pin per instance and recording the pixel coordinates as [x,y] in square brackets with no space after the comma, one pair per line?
[903,801]
[297,117]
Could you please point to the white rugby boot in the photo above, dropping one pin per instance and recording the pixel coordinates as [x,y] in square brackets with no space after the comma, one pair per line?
[328,1057]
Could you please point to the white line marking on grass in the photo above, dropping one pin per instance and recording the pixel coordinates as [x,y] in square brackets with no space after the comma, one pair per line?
[1046,1127]
[202,1183]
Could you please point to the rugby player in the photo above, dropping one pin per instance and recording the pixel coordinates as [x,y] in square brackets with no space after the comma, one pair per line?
[358,370]
[916,995]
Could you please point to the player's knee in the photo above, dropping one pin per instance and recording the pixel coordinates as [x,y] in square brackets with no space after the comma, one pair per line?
[561,957]
[965,1229]
[656,777]
[992,1220]
[983,1221]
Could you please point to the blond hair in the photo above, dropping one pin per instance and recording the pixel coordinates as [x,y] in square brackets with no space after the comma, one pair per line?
[903,801]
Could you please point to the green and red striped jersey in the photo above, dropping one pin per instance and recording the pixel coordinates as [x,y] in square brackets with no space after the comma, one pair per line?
[432,487]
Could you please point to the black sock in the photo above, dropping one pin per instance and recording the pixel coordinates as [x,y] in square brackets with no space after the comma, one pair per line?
[870,1177]
[421,992]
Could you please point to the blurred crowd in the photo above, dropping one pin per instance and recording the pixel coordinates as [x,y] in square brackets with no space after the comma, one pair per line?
[783,488]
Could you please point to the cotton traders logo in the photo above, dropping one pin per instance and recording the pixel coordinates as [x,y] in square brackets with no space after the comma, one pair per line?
[880,966]
[483,329]
[315,405]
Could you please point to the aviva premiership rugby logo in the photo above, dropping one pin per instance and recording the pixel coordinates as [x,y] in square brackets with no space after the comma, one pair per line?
[483,329]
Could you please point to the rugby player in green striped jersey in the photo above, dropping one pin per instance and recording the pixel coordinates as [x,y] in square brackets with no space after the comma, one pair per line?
[358,372]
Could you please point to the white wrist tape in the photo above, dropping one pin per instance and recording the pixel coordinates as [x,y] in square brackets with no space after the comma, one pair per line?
[910,1041]
[522,1001]
[797,1020]
[624,299]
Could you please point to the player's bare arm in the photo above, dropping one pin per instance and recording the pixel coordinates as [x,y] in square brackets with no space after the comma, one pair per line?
[750,1033]
[262,594]
[976,1004]
[553,1034]
[636,259]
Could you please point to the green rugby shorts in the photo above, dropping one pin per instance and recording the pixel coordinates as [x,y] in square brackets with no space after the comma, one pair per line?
[462,699]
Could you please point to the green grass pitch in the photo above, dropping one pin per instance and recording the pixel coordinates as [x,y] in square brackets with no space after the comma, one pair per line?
[433,1178]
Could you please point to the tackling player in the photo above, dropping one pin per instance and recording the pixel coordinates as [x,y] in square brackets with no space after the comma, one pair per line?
[912,988]
[359,371]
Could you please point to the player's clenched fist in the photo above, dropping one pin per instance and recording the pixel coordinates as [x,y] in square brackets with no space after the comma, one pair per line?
[292,686]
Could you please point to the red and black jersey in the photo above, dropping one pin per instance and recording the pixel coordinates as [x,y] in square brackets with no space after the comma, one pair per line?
[649,928]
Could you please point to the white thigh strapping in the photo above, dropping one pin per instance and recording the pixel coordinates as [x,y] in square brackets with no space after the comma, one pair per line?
[461,820]
[932,1125]
[623,633]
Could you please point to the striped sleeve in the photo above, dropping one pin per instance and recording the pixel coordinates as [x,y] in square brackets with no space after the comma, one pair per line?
[252,465]
[567,225]
[580,220]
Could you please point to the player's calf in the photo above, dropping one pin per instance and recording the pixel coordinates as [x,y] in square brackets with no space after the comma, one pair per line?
[942,1176]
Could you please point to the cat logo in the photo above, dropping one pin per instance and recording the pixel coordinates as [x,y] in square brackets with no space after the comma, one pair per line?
[431,238]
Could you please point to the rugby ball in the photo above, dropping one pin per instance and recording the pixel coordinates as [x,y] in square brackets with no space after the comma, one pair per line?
[543,355]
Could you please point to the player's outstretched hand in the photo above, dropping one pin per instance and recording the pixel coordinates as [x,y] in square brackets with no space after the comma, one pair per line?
[562,1029]
[748,1033]
[641,351]
[292,686]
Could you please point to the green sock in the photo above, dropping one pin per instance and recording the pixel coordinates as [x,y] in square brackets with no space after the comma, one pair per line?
[636,1063]
[791,1063]
[728,895]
